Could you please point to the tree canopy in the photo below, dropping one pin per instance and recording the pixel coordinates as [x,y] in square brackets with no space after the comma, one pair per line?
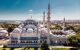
[74,40]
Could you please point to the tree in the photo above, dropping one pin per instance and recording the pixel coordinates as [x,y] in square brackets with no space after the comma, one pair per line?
[44,46]
[10,29]
[58,27]
[70,28]
[74,40]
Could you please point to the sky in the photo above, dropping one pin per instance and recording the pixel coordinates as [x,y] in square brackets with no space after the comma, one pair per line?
[24,9]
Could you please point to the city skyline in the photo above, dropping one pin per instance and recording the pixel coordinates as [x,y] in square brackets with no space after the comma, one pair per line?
[24,9]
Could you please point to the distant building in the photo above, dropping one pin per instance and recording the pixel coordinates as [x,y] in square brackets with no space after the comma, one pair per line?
[68,22]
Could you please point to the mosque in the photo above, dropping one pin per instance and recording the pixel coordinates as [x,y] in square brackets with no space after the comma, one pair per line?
[31,33]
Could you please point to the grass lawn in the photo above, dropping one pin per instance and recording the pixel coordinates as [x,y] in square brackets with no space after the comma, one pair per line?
[60,49]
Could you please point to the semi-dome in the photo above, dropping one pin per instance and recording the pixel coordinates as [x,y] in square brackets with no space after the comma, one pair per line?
[30,30]
[17,30]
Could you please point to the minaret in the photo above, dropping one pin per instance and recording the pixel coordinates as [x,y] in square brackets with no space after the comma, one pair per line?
[48,23]
[44,18]
[48,18]
[64,23]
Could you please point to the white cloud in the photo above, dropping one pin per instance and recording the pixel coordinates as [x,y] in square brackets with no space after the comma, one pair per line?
[30,10]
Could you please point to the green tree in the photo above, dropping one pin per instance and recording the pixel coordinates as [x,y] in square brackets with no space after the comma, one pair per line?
[58,27]
[70,27]
[74,40]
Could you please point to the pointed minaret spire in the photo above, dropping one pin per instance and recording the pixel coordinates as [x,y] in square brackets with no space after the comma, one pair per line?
[44,18]
[48,18]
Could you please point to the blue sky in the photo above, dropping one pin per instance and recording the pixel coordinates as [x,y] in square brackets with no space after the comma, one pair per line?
[23,9]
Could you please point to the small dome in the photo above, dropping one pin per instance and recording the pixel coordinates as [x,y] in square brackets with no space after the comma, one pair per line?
[1,28]
[19,26]
[41,26]
[17,30]
[3,31]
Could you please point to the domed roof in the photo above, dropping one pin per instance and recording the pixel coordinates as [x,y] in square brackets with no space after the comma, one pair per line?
[29,21]
[16,30]
[29,30]
[1,28]
[3,31]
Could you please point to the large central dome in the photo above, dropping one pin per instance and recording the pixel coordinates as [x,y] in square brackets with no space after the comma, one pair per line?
[30,25]
[32,22]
